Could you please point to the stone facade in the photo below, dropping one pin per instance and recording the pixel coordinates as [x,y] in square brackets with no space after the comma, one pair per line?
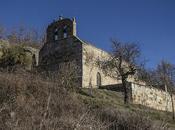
[61,29]
[63,46]
[92,74]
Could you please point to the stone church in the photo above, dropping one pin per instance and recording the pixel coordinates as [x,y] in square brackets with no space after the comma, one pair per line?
[63,45]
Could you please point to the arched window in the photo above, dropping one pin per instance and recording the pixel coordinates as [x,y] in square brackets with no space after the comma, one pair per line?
[65,32]
[56,34]
[98,79]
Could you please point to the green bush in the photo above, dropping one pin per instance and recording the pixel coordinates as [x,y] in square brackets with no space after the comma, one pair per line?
[15,56]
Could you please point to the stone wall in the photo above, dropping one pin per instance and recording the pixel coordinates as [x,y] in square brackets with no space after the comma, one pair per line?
[34,56]
[90,69]
[151,97]
[53,55]
[57,52]
[59,27]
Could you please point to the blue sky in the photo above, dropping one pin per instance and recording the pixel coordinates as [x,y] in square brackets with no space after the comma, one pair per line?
[151,23]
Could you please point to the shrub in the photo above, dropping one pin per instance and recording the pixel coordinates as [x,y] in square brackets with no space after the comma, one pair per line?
[15,56]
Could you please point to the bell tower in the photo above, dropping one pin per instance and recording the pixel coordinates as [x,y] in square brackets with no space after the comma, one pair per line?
[61,29]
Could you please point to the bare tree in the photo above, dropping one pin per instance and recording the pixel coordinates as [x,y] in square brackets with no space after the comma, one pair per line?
[24,35]
[149,76]
[166,72]
[122,63]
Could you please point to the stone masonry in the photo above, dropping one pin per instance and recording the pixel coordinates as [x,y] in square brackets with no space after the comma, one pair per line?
[63,46]
[151,97]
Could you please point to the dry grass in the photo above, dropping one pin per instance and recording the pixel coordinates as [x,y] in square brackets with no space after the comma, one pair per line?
[32,102]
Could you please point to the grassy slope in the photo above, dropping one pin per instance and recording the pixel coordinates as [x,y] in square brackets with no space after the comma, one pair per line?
[106,98]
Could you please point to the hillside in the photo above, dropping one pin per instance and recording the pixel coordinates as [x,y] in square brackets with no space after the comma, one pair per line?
[106,98]
[33,101]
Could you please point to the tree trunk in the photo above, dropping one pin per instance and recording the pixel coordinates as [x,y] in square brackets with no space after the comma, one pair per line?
[172,102]
[126,97]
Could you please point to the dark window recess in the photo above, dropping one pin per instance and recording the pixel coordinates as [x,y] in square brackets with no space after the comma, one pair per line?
[98,79]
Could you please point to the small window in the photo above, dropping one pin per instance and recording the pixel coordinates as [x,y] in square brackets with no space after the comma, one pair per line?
[65,32]
[56,34]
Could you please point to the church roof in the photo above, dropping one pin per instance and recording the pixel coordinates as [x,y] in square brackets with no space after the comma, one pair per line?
[91,44]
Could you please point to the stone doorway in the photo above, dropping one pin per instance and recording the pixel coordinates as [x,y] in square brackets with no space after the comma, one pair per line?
[98,79]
